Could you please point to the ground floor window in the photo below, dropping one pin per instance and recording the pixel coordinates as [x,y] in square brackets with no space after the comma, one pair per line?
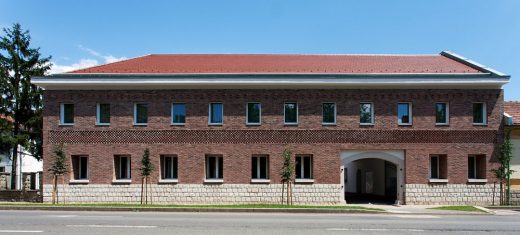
[80,167]
[168,167]
[303,166]
[260,167]
[438,167]
[476,167]
[214,167]
[122,167]
[2,169]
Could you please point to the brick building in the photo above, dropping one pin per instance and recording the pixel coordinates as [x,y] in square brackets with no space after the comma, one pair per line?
[415,129]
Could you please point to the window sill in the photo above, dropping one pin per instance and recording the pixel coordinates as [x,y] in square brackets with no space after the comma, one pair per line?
[168,181]
[477,180]
[304,181]
[140,124]
[438,180]
[480,124]
[442,124]
[66,124]
[404,124]
[366,124]
[290,124]
[86,181]
[122,181]
[328,124]
[260,181]
[253,124]
[102,124]
[215,124]
[178,124]
[214,181]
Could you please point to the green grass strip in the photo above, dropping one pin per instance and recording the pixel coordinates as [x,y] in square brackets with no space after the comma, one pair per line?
[458,208]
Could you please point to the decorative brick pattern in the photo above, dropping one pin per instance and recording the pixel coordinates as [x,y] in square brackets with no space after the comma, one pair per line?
[196,193]
[273,136]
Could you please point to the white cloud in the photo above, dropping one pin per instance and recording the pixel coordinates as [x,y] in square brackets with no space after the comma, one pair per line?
[83,63]
[107,57]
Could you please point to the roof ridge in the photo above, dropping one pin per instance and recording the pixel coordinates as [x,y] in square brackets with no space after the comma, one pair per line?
[284,54]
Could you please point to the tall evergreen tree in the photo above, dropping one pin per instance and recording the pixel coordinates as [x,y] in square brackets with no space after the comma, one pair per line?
[21,101]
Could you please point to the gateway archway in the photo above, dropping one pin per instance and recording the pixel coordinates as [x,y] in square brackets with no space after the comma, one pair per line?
[373,175]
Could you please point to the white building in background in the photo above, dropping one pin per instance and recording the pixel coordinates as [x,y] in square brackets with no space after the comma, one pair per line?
[26,163]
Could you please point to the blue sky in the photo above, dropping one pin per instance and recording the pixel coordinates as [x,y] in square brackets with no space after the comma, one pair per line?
[83,33]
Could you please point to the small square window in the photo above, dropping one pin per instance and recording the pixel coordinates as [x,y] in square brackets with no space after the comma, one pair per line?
[253,114]
[140,114]
[168,167]
[479,113]
[216,114]
[366,113]
[2,169]
[328,111]
[67,114]
[260,167]
[178,113]
[303,166]
[290,113]
[123,167]
[438,167]
[404,114]
[103,114]
[441,114]
[80,167]
[477,167]
[214,167]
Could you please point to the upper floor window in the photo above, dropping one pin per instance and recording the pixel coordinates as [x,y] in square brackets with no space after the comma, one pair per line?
[366,113]
[140,114]
[441,114]
[103,114]
[328,111]
[66,114]
[168,167]
[178,113]
[216,114]
[290,111]
[303,166]
[260,167]
[214,167]
[404,113]
[479,113]
[253,114]
[80,167]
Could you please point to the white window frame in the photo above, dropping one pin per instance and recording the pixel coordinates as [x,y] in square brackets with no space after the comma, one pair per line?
[62,115]
[447,114]
[98,115]
[128,168]
[79,168]
[258,168]
[297,114]
[484,114]
[163,168]
[438,167]
[409,111]
[335,114]
[302,167]
[135,115]
[185,115]
[372,117]
[217,166]
[210,113]
[260,115]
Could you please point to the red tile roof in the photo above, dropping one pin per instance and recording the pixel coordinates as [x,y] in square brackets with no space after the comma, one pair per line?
[513,108]
[282,64]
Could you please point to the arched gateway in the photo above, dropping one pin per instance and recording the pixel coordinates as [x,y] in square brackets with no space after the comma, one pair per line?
[373,174]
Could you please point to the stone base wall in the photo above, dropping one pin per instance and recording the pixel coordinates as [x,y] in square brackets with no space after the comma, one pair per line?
[196,193]
[515,197]
[451,194]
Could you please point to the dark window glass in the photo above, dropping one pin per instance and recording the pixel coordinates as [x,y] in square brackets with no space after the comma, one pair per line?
[214,167]
[303,167]
[68,113]
[403,113]
[216,113]
[260,167]
[441,114]
[329,113]
[253,113]
[365,113]
[434,167]
[179,113]
[291,113]
[478,113]
[83,167]
[104,113]
[169,167]
[472,174]
[141,113]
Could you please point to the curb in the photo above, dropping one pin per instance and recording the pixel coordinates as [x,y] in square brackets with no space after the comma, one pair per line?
[503,207]
[186,209]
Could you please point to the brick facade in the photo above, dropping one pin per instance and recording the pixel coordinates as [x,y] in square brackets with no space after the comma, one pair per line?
[237,142]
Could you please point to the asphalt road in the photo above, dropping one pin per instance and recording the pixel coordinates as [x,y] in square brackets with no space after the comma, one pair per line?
[57,222]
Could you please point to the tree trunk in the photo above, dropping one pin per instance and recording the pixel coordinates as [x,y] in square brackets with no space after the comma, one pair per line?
[54,188]
[288,191]
[142,190]
[145,190]
[63,187]
[501,194]
[14,177]
[283,191]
